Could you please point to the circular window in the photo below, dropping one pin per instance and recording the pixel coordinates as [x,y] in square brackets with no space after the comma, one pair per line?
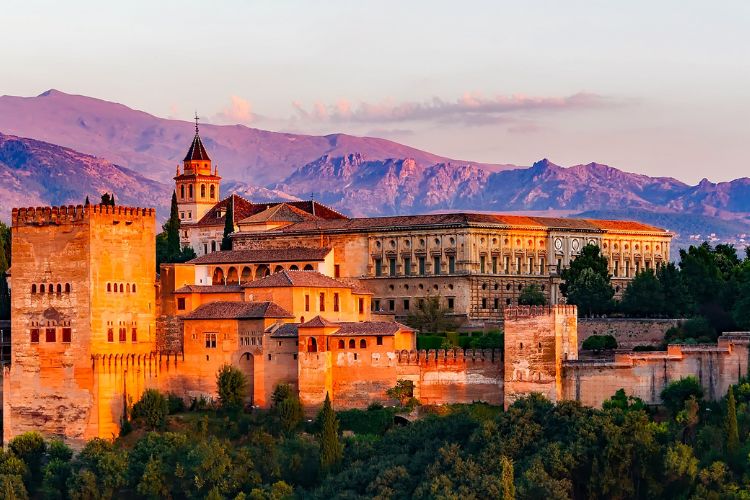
[450,287]
[558,244]
[575,244]
[406,287]
[390,287]
[393,244]
[494,241]
[453,242]
[437,241]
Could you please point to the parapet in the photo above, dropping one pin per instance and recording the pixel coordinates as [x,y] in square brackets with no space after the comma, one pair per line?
[68,214]
[450,356]
[521,312]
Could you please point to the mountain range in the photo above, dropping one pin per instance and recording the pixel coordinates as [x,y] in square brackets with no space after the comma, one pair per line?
[58,148]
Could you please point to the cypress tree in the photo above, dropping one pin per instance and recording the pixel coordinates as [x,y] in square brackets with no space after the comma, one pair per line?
[172,228]
[733,436]
[112,199]
[87,202]
[331,450]
[226,241]
[507,486]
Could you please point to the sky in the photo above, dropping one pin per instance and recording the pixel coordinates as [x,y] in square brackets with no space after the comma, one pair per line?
[660,88]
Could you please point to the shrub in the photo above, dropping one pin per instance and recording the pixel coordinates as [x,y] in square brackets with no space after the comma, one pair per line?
[491,340]
[152,409]
[428,342]
[231,386]
[374,421]
[176,403]
[676,393]
[645,348]
[30,448]
[599,343]
[402,391]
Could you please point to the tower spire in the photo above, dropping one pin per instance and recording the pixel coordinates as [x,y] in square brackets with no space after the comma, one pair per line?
[196,122]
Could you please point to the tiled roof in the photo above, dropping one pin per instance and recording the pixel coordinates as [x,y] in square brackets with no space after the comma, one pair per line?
[283,212]
[297,254]
[244,209]
[297,278]
[354,328]
[318,322]
[209,289]
[238,310]
[283,330]
[197,152]
[462,219]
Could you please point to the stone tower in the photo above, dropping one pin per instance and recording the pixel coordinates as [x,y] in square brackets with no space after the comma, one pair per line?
[197,186]
[83,317]
[537,341]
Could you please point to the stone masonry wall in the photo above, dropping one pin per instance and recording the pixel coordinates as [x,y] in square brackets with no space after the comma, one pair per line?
[628,332]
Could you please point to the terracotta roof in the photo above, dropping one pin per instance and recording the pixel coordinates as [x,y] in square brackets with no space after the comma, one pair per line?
[295,254]
[238,310]
[318,322]
[371,328]
[460,219]
[209,289]
[197,152]
[283,212]
[297,278]
[244,209]
[283,330]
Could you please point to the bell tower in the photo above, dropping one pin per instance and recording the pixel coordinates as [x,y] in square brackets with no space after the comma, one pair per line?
[197,186]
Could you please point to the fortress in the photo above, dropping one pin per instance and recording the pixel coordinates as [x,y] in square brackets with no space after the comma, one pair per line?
[310,298]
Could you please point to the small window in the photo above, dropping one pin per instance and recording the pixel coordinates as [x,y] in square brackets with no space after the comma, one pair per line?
[451,303]
[41,288]
[33,288]
[122,335]
[67,287]
[50,288]
[391,305]
[269,357]
[352,344]
[363,344]
[127,289]
[110,335]
[406,304]
[336,271]
[336,302]
[49,335]
[210,341]
[322,301]
[35,335]
[307,302]
[181,304]
[341,344]
[67,333]
[109,287]
[361,306]
[380,340]
[59,289]
[134,335]
[355,356]
[484,303]
[121,288]
[133,288]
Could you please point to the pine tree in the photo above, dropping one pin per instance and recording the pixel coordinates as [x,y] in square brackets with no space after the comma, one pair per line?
[226,241]
[733,437]
[331,450]
[507,486]
[172,228]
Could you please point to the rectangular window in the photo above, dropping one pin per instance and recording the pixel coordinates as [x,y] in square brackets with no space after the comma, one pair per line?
[380,340]
[406,304]
[506,264]
[497,303]
[49,335]
[322,301]
[134,335]
[482,264]
[484,303]
[407,266]
[494,264]
[421,266]
[391,305]
[336,271]
[391,267]
[518,265]
[307,302]
[110,334]
[378,267]
[627,269]
[67,333]
[210,341]
[205,248]
[336,302]
[617,269]
[123,334]
[541,266]
[181,304]
[361,306]
[531,265]
[451,303]
[452,264]
[376,305]
[436,266]
[559,266]
[35,335]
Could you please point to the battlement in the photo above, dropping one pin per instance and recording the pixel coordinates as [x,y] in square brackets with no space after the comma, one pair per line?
[69,214]
[449,356]
[520,312]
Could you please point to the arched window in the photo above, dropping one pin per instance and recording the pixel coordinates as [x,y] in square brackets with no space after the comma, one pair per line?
[293,267]
[128,288]
[33,288]
[182,191]
[203,190]
[67,287]
[363,344]
[121,288]
[309,267]
[133,287]
[41,288]
[218,276]
[278,269]
[190,191]
[50,288]
[213,246]
[109,287]
[341,344]
[247,274]
[352,344]
[232,278]
[59,289]
[312,345]
[212,190]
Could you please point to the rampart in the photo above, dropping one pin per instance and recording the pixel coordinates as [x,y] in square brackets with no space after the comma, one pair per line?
[628,332]
[38,216]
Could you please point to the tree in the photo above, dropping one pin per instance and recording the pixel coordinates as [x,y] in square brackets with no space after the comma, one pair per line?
[676,393]
[12,488]
[430,316]
[403,391]
[591,258]
[231,386]
[100,471]
[108,199]
[678,302]
[287,407]
[331,450]
[591,292]
[599,343]
[644,296]
[532,295]
[226,241]
[30,448]
[172,228]
[623,402]
[507,486]
[733,436]
[152,409]
[741,309]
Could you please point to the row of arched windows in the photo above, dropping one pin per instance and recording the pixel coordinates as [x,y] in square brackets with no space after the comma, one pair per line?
[51,288]
[211,190]
[353,344]
[121,288]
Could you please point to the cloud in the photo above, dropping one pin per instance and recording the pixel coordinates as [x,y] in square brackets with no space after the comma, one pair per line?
[470,108]
[239,110]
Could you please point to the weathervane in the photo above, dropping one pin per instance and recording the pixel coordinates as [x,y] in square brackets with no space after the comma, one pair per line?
[196,122]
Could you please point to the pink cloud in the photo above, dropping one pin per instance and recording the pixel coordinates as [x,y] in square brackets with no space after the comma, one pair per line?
[238,110]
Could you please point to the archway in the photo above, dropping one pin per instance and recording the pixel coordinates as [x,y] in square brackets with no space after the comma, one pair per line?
[293,267]
[278,269]
[218,276]
[312,345]
[309,267]
[247,367]
[232,278]
[262,271]
[247,274]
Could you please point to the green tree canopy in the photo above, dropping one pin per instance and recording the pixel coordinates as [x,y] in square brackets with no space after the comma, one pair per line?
[591,258]
[532,295]
[430,316]
[591,292]
[644,296]
[331,450]
[152,409]
[231,387]
[676,393]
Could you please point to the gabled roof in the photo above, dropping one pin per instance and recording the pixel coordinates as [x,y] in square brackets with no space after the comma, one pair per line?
[238,310]
[283,330]
[283,212]
[209,289]
[297,278]
[318,322]
[371,328]
[244,209]
[197,152]
[295,254]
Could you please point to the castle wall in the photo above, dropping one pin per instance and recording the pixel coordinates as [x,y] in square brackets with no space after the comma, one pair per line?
[629,332]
